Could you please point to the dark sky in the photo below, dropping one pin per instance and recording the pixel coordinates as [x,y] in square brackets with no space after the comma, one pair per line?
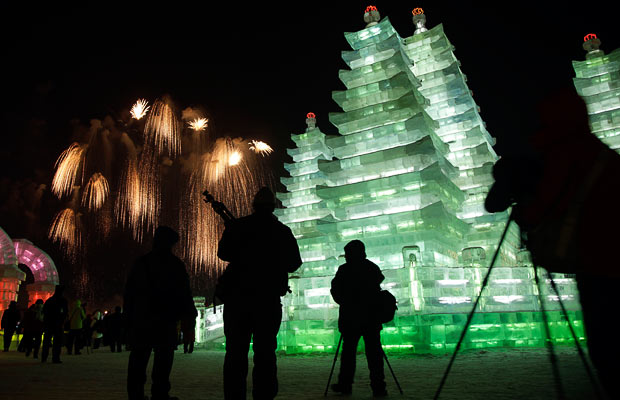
[258,69]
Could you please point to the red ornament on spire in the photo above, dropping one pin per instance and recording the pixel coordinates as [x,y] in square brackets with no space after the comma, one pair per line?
[589,36]
[417,11]
[310,115]
[371,8]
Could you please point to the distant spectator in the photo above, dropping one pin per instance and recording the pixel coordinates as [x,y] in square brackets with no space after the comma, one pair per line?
[10,318]
[54,315]
[76,318]
[114,329]
[33,328]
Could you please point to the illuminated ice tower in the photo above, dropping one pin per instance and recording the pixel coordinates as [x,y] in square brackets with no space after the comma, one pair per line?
[391,181]
[460,126]
[597,80]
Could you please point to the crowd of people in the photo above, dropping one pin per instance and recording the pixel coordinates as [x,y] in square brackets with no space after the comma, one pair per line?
[54,324]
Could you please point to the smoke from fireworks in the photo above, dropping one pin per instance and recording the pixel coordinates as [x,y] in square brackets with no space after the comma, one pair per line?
[198,124]
[139,109]
[67,167]
[261,148]
[161,130]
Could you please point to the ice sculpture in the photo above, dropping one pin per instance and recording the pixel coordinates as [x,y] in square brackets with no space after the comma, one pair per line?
[10,274]
[597,80]
[408,175]
[42,267]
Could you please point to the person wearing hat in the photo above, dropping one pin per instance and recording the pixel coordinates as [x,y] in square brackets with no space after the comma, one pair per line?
[261,251]
[157,296]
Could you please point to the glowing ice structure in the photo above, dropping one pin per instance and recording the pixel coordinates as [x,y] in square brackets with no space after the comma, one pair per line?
[408,175]
[21,251]
[597,80]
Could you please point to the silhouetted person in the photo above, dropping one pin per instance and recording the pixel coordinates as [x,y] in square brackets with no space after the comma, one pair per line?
[33,328]
[114,329]
[10,318]
[355,288]
[76,319]
[261,251]
[54,315]
[96,329]
[157,295]
[188,327]
[570,173]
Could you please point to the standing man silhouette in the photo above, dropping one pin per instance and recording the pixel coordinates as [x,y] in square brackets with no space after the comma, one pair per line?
[157,296]
[55,312]
[261,252]
[356,288]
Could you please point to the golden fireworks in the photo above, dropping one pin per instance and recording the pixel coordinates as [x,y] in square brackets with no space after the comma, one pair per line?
[65,231]
[140,109]
[198,124]
[259,147]
[161,130]
[96,192]
[234,158]
[67,167]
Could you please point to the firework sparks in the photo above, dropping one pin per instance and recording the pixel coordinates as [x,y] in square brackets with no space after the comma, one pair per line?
[162,130]
[259,147]
[96,192]
[198,124]
[67,167]
[65,231]
[140,109]
[233,186]
[234,158]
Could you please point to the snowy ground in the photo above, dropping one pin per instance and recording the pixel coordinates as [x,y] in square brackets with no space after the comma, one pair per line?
[493,374]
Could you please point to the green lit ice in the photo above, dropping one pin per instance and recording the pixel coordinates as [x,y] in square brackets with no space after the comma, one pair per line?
[408,176]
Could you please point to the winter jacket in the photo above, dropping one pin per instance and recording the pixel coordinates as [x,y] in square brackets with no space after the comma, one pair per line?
[355,288]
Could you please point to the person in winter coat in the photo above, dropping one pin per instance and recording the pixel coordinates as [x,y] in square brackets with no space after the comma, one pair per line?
[261,251]
[96,329]
[10,318]
[188,327]
[76,319]
[114,329]
[355,288]
[54,315]
[33,328]
[157,296]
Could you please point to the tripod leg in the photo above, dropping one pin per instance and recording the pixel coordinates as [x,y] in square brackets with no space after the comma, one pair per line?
[333,365]
[582,355]
[549,341]
[392,371]
[485,281]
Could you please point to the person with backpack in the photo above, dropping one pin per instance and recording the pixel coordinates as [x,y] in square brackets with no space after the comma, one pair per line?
[356,288]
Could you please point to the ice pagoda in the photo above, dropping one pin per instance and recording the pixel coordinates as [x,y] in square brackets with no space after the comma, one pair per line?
[597,80]
[408,175]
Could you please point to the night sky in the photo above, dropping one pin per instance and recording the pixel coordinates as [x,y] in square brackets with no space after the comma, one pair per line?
[256,71]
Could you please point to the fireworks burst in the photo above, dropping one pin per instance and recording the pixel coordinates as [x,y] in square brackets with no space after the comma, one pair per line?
[140,109]
[128,207]
[198,124]
[234,158]
[161,130]
[65,231]
[261,148]
[96,192]
[67,167]
[233,186]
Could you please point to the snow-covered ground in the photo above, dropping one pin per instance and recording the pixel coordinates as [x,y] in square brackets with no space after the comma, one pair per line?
[493,374]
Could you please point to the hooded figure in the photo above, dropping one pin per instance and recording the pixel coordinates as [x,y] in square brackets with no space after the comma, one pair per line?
[157,296]
[356,288]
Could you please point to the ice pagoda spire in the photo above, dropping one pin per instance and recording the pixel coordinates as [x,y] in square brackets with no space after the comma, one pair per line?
[419,20]
[310,121]
[371,16]
[591,44]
